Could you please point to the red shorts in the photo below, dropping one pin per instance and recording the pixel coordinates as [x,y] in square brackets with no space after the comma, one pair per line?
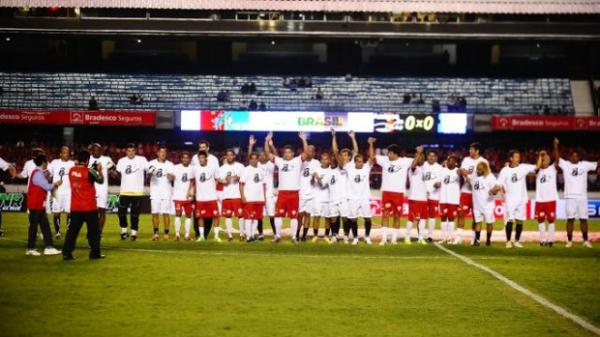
[466,202]
[183,207]
[433,208]
[287,204]
[254,210]
[417,210]
[448,211]
[392,203]
[207,209]
[545,211]
[232,208]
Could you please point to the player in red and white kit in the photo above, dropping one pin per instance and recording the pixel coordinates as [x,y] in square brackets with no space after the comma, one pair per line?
[183,200]
[467,167]
[546,195]
[289,172]
[204,187]
[160,171]
[432,177]
[253,194]
[268,168]
[231,205]
[449,198]
[417,198]
[393,187]
[213,161]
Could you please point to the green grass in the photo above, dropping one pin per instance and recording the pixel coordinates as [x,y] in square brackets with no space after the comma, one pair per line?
[171,288]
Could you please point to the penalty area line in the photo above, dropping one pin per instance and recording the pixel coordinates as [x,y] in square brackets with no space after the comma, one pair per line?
[541,300]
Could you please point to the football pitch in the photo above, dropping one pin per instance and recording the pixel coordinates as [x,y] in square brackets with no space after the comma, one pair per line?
[147,288]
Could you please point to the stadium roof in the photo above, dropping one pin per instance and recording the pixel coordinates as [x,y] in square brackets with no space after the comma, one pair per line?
[439,6]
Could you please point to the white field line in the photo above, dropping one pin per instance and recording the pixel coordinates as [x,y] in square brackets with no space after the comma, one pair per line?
[541,300]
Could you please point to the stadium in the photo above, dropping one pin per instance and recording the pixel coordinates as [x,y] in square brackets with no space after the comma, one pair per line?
[299,168]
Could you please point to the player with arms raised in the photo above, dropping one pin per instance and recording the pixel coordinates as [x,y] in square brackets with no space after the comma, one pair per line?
[268,168]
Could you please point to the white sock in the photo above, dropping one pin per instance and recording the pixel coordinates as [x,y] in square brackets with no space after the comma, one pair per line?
[551,227]
[254,226]
[409,226]
[459,234]
[229,226]
[217,230]
[242,225]
[249,232]
[395,232]
[384,233]
[123,230]
[421,228]
[294,227]
[450,229]
[542,229]
[177,225]
[444,228]
[431,227]
[278,226]
[133,232]
[187,226]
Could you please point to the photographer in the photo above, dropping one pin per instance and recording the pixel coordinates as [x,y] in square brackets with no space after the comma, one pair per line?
[83,206]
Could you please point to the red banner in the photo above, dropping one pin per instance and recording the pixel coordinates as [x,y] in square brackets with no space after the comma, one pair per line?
[546,123]
[104,118]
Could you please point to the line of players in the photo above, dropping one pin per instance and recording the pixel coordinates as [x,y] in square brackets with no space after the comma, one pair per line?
[332,192]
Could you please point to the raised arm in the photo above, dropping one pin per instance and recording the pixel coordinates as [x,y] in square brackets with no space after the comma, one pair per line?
[302,136]
[251,143]
[540,158]
[270,149]
[334,147]
[556,151]
[371,142]
[355,149]
[418,154]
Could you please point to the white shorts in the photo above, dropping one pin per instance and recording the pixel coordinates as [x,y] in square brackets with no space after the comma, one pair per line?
[62,203]
[514,211]
[576,208]
[486,214]
[319,208]
[269,209]
[338,208]
[161,206]
[359,209]
[102,200]
[306,206]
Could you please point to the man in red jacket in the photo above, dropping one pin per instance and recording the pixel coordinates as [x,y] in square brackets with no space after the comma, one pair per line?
[37,189]
[83,206]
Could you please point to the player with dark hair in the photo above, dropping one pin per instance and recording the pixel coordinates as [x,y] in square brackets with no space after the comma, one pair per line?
[204,187]
[467,167]
[231,205]
[182,199]
[60,200]
[160,171]
[268,168]
[213,162]
[97,159]
[449,198]
[546,194]
[432,173]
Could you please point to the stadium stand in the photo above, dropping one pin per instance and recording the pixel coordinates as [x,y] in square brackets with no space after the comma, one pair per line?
[373,94]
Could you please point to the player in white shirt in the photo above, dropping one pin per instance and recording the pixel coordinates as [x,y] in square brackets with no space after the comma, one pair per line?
[61,197]
[160,171]
[253,193]
[449,198]
[213,161]
[484,188]
[204,188]
[107,165]
[4,166]
[432,177]
[467,167]
[321,177]
[268,168]
[229,175]
[393,187]
[417,198]
[289,173]
[546,195]
[575,174]
[29,165]
[359,192]
[182,198]
[309,165]
[132,170]
[513,180]
[339,209]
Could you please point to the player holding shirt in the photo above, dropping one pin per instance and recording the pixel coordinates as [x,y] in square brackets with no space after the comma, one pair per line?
[99,160]
[485,187]
[253,193]
[321,178]
[289,172]
[546,195]
[575,173]
[449,198]
[417,198]
[309,165]
[161,191]
[182,199]
[467,167]
[432,177]
[359,192]
[268,170]
[512,178]
[393,187]
[229,175]
[61,197]
[339,209]
[204,187]
[132,170]
[213,161]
